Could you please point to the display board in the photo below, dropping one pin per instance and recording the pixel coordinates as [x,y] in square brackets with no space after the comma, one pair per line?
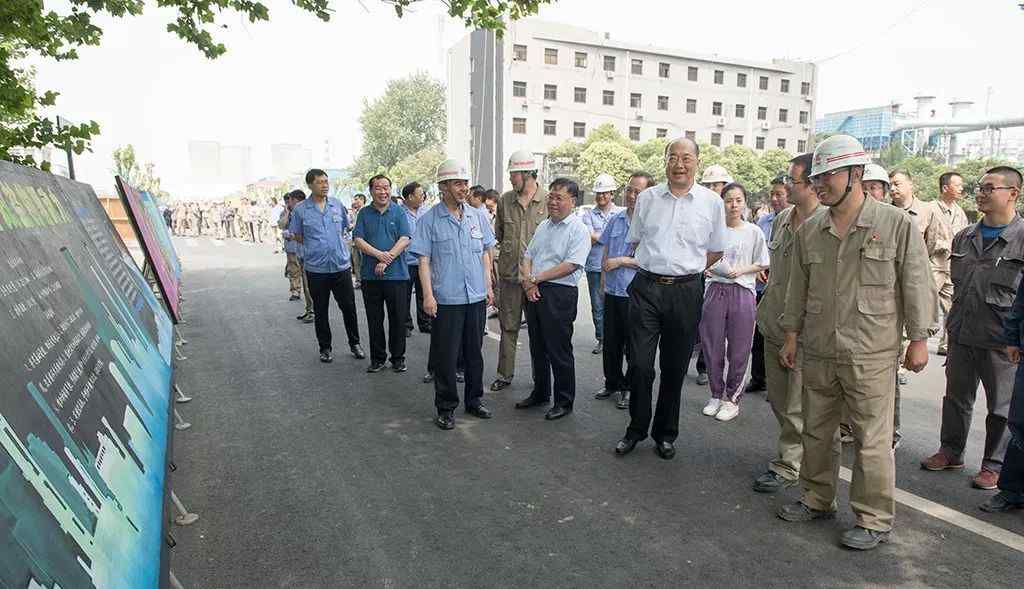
[85,391]
[156,242]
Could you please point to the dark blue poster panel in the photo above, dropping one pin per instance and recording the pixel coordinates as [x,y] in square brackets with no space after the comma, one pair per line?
[85,389]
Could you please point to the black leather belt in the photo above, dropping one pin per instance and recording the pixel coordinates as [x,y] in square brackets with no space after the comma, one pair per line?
[662,279]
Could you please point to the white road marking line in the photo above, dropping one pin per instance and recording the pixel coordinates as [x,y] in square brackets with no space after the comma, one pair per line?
[951,516]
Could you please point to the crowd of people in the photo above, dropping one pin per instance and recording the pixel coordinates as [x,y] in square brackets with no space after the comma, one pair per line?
[837,281]
[250,220]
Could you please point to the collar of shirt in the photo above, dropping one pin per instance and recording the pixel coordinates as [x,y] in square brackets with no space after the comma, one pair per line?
[865,218]
[1015,227]
[664,191]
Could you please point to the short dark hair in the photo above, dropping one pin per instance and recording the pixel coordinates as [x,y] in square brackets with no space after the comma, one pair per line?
[734,185]
[779,180]
[492,194]
[296,194]
[1010,173]
[804,161]
[313,174]
[902,172]
[409,189]
[569,185]
[641,174]
[945,178]
[360,196]
[478,191]
[369,185]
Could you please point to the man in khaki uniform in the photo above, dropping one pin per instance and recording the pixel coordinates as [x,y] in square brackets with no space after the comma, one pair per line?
[859,276]
[951,190]
[520,211]
[987,263]
[784,386]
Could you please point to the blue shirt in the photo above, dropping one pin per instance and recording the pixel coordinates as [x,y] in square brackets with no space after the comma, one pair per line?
[413,216]
[567,240]
[614,240]
[323,246]
[382,231]
[765,225]
[455,248]
[595,219]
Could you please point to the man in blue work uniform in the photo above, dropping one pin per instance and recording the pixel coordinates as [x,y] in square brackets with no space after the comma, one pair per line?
[413,198]
[319,225]
[381,234]
[596,218]
[453,242]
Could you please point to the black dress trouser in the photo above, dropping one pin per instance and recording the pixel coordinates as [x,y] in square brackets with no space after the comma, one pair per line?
[457,337]
[757,354]
[616,342]
[422,319]
[321,286]
[549,322]
[392,295]
[663,317]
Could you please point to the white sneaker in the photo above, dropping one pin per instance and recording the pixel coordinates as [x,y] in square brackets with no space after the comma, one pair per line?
[711,409]
[728,411]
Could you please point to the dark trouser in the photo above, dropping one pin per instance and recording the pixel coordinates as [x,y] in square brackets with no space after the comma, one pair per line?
[616,342]
[965,367]
[1011,479]
[757,354]
[669,313]
[702,366]
[460,362]
[422,319]
[549,323]
[457,336]
[378,294]
[321,286]
[596,302]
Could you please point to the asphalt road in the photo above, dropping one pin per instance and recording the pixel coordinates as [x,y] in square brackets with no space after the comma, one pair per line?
[312,475]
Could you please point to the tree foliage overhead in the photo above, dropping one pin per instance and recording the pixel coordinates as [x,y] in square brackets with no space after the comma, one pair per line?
[419,167]
[606,157]
[139,174]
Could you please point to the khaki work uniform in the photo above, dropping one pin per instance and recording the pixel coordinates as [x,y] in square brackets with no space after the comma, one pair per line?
[783,385]
[513,228]
[985,282]
[956,220]
[849,299]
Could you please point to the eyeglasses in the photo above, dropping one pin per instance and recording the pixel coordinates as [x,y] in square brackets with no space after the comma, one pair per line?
[675,159]
[988,189]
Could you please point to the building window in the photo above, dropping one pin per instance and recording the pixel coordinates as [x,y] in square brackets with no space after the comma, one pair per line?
[663,103]
[550,128]
[519,52]
[691,135]
[716,109]
[801,145]
[762,83]
[691,73]
[784,86]
[741,111]
[803,117]
[635,100]
[550,92]
[634,133]
[737,139]
[608,97]
[783,115]
[759,142]
[762,113]
[609,63]
[519,89]
[519,126]
[581,59]
[551,56]
[719,77]
[580,95]
[691,105]
[579,129]
[663,70]
[661,133]
[805,88]
[781,143]
[716,139]
[637,67]
[741,80]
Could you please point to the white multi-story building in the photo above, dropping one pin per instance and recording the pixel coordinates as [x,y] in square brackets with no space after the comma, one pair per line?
[544,83]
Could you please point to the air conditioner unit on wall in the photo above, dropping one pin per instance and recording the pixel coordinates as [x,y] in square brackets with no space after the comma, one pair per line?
[765,125]
[639,113]
[720,121]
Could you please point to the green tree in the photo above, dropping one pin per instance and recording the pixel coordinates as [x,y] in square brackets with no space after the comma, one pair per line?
[419,167]
[606,157]
[606,132]
[139,174]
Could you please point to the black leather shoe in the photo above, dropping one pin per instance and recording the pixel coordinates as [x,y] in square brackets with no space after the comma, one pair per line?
[557,413]
[623,402]
[428,377]
[755,386]
[445,421]
[326,357]
[604,393]
[357,352]
[309,318]
[531,401]
[480,411]
[375,367]
[500,384]
[399,366]
[625,446]
[408,332]
[665,450]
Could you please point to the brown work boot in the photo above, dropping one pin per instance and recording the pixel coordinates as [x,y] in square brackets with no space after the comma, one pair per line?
[985,479]
[940,461]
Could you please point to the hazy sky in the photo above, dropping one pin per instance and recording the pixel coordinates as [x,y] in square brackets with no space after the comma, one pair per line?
[299,80]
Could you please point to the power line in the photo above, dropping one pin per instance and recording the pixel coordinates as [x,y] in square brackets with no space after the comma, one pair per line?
[913,10]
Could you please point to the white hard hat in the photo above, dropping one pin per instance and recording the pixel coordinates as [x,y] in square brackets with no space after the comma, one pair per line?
[875,172]
[452,170]
[838,151]
[522,161]
[605,183]
[716,173]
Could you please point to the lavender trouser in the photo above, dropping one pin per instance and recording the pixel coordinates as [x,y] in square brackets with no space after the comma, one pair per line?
[727,327]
